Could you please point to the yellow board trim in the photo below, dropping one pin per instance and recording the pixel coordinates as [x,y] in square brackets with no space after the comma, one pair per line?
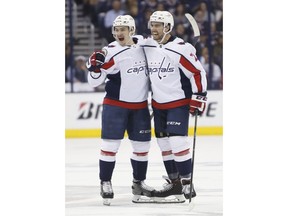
[96,133]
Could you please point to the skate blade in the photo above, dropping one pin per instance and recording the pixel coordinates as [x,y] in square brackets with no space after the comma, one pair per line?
[142,199]
[170,199]
[107,201]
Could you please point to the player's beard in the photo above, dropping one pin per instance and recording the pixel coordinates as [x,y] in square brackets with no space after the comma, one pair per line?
[158,37]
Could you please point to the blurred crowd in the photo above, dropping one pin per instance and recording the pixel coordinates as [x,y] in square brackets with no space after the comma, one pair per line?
[207,13]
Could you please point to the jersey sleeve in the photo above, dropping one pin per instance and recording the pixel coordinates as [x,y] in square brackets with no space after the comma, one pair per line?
[193,69]
[96,79]
[110,65]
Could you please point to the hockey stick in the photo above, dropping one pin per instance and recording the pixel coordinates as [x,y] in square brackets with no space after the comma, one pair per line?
[195,39]
[151,116]
[193,153]
[195,28]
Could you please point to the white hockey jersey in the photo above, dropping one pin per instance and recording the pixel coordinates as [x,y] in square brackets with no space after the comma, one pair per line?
[175,72]
[125,70]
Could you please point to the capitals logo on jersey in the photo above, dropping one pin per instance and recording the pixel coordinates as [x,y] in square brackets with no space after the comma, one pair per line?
[161,70]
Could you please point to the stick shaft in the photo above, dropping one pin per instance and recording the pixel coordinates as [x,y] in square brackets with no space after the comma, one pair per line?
[193,154]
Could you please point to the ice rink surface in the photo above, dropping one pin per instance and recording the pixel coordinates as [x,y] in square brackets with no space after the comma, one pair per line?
[82,182]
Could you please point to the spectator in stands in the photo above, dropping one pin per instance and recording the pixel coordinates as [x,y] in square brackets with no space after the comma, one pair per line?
[147,5]
[80,70]
[130,3]
[171,5]
[202,23]
[180,31]
[179,15]
[110,16]
[202,43]
[67,54]
[151,4]
[142,29]
[133,11]
[218,11]
[92,9]
[191,4]
[203,8]
[160,7]
[218,50]
[215,79]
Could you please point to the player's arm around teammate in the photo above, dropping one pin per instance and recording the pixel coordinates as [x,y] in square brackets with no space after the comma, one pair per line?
[125,108]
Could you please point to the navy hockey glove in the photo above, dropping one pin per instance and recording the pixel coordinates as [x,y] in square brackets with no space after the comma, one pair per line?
[198,102]
[95,61]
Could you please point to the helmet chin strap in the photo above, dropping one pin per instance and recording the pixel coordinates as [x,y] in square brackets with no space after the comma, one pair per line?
[130,35]
[160,42]
[165,33]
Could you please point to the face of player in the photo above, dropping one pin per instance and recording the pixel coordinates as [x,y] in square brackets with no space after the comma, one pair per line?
[157,31]
[121,34]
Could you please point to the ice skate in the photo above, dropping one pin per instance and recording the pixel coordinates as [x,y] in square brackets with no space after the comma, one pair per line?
[142,193]
[171,193]
[186,188]
[106,192]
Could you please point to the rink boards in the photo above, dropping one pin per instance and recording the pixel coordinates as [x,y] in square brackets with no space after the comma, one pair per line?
[83,115]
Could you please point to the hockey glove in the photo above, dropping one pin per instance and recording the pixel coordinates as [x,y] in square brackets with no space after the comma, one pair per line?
[95,61]
[198,104]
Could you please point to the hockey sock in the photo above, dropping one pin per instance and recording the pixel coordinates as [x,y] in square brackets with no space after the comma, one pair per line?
[106,170]
[171,169]
[139,169]
[184,168]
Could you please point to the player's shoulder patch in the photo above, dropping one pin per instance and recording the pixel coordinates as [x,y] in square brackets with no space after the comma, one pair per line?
[179,40]
[174,45]
[181,43]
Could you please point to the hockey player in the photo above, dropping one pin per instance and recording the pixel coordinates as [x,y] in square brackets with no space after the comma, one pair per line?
[125,105]
[178,83]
